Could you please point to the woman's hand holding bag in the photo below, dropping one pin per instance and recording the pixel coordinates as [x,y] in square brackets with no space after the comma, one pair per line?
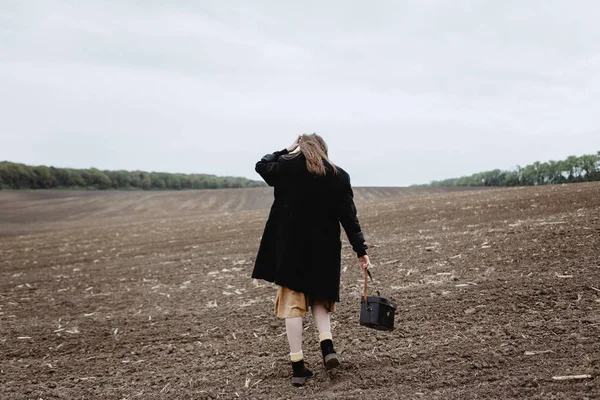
[364,262]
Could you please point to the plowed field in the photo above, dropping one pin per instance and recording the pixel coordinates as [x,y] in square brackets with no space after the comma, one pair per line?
[129,295]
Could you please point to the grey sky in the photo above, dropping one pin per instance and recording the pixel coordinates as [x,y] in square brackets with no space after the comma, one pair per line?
[404,91]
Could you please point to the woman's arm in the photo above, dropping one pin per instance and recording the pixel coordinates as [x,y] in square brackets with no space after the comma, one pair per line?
[269,168]
[349,219]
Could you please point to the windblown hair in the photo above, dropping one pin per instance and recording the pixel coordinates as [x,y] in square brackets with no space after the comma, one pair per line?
[315,150]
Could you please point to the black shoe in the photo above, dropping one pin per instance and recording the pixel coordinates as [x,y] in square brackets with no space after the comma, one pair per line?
[301,373]
[330,358]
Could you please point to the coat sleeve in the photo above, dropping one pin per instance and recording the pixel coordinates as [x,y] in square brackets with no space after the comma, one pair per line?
[269,167]
[349,219]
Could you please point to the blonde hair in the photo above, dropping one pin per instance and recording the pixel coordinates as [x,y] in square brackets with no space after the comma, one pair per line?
[315,150]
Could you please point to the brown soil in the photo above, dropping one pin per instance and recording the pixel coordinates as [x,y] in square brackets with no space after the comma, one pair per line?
[27,211]
[147,295]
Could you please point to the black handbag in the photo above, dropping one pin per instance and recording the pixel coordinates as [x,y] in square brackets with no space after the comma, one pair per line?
[376,312]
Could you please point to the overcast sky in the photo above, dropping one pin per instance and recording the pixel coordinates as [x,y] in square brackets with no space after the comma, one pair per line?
[403,91]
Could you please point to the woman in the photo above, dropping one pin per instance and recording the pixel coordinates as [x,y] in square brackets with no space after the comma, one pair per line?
[300,248]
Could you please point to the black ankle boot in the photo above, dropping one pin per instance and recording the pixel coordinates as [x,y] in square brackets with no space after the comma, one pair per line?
[301,373]
[330,358]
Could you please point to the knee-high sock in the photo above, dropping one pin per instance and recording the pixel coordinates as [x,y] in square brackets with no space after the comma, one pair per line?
[293,328]
[321,317]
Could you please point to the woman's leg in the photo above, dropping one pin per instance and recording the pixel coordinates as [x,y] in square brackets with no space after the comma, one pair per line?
[293,328]
[292,306]
[321,317]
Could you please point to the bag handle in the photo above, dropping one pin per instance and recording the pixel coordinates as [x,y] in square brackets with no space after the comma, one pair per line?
[368,274]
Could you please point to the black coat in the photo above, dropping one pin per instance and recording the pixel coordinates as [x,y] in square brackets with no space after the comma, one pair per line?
[301,247]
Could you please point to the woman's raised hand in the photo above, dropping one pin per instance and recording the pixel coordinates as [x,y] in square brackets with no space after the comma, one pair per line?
[295,145]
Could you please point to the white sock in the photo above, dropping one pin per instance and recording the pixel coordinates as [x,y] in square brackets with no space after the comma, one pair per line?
[321,317]
[295,357]
[293,328]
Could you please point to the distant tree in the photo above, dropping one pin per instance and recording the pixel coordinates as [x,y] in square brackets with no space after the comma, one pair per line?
[63,178]
[114,178]
[16,176]
[159,181]
[211,183]
[119,179]
[42,178]
[99,179]
[572,164]
[136,179]
[195,182]
[175,182]
[587,163]
[20,176]
[528,175]
[146,183]
[596,175]
[185,181]
[554,172]
[511,178]
[76,178]
[572,169]
[87,178]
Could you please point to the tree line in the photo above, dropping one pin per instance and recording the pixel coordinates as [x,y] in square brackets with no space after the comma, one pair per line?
[585,168]
[21,176]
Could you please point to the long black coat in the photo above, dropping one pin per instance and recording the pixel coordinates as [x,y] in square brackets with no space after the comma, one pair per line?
[301,247]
